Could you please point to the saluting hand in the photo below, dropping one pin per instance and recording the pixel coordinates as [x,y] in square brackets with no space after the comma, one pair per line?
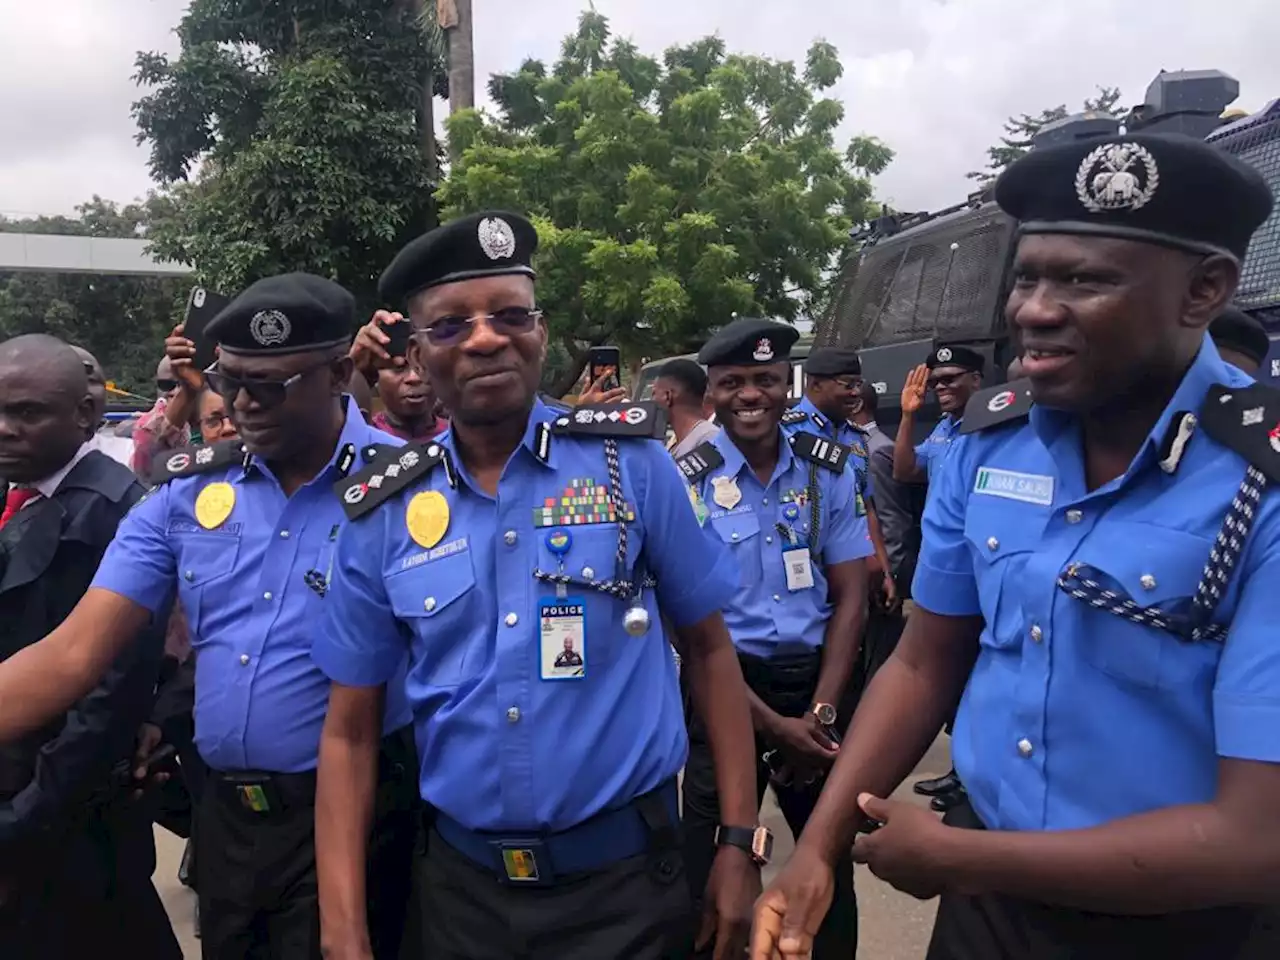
[789,913]
[369,350]
[732,888]
[914,388]
[904,851]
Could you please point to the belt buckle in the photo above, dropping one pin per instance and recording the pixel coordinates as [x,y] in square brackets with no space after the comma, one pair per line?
[524,862]
[253,798]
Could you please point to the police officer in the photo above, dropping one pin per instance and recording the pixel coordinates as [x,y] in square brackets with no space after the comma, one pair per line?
[1241,340]
[785,505]
[1098,578]
[953,372]
[553,786]
[247,530]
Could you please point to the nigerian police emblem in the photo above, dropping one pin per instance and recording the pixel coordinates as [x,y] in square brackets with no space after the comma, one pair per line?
[270,328]
[1117,176]
[497,239]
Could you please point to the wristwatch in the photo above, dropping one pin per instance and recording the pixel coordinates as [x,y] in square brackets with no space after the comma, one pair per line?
[756,841]
[825,713]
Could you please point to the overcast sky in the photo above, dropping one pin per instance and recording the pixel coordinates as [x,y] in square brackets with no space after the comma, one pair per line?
[932,78]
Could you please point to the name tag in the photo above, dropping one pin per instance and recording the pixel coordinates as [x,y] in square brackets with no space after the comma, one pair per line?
[1027,487]
[799,569]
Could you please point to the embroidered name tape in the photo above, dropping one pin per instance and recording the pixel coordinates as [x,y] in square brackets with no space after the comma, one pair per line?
[1027,487]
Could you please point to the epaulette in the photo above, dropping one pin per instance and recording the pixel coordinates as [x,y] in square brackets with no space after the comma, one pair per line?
[997,405]
[646,420]
[820,450]
[190,461]
[364,491]
[699,461]
[1246,420]
[373,452]
[793,416]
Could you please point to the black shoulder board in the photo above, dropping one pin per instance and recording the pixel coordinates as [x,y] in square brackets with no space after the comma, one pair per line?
[385,477]
[793,416]
[820,450]
[646,420]
[1246,420]
[997,405]
[376,452]
[189,461]
[699,461]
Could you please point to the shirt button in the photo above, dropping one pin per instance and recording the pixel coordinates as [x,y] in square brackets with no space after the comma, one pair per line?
[509,538]
[513,714]
[511,620]
[764,501]
[768,539]
[588,573]
[993,543]
[188,576]
[1036,633]
[429,604]
[1074,516]
[1148,581]
[284,534]
[733,536]
[776,598]
[1024,747]
[267,595]
[244,659]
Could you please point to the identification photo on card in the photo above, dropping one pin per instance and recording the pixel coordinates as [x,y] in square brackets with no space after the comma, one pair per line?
[563,638]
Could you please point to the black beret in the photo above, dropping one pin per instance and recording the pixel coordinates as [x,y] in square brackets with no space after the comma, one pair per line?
[954,355]
[1236,330]
[833,362]
[290,313]
[1167,189]
[748,341]
[488,244]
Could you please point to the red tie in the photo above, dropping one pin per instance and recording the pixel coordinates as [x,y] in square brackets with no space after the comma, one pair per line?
[18,497]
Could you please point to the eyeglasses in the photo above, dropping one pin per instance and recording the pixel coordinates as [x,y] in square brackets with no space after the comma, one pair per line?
[163,386]
[214,421]
[949,383]
[265,393]
[509,321]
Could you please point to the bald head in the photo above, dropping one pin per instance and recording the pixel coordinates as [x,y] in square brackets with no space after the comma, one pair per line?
[97,382]
[60,366]
[46,411]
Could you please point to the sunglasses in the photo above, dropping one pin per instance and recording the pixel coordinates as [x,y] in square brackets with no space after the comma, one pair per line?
[164,386]
[265,393]
[948,383]
[510,321]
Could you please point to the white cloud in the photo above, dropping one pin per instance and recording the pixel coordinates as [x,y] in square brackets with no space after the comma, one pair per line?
[933,78]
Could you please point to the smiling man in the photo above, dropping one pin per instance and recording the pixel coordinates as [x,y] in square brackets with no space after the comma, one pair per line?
[953,373]
[1098,579]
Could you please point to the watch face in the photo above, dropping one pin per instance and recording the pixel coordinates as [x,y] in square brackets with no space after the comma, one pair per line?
[825,713]
[762,845]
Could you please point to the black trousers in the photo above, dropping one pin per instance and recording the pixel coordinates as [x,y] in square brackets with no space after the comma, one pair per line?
[635,909]
[257,883]
[786,687]
[998,927]
[86,893]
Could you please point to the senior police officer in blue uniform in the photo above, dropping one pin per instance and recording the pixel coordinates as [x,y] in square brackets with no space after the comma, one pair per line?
[1101,570]
[552,781]
[247,532]
[953,372]
[785,505]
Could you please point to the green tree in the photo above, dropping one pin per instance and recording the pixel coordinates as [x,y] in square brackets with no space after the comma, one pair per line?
[668,194]
[1019,131]
[121,320]
[288,135]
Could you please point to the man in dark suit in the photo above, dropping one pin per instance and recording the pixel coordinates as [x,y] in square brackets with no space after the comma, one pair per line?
[76,852]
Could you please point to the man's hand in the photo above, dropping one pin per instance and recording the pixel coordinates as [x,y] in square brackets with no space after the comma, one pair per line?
[596,393]
[149,739]
[889,589]
[732,888]
[368,350]
[905,850]
[182,358]
[789,913]
[803,741]
[914,388]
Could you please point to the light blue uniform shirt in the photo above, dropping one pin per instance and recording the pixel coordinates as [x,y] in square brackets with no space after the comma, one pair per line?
[1072,716]
[502,748]
[260,700]
[935,447]
[765,618]
[841,432]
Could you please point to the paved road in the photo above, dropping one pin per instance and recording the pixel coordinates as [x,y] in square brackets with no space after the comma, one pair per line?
[892,926]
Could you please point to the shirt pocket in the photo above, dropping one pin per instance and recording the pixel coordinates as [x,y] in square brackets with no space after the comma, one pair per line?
[438,604]
[1002,538]
[741,532]
[1154,567]
[206,564]
[593,556]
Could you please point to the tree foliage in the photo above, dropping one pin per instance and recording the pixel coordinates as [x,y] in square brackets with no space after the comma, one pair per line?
[1019,131]
[288,136]
[121,320]
[668,193]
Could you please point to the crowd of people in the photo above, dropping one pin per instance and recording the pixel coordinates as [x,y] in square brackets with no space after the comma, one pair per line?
[427,665]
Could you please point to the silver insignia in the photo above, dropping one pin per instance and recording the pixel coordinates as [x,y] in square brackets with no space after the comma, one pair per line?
[497,239]
[409,459]
[1117,176]
[393,470]
[354,494]
[270,328]
[375,481]
[763,352]
[204,455]
[1252,418]
[944,355]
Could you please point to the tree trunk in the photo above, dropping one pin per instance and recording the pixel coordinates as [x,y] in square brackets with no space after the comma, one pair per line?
[462,65]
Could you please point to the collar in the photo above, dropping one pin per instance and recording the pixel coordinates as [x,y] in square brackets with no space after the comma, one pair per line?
[735,462]
[355,432]
[1207,369]
[537,440]
[49,485]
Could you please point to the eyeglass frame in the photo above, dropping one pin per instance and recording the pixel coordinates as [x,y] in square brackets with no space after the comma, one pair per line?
[248,386]
[468,323]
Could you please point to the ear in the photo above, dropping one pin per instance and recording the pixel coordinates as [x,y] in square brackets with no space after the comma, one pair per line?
[84,418]
[1211,286]
[340,372]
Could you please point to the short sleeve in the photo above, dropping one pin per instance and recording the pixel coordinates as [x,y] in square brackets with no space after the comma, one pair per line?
[139,565]
[847,537]
[360,643]
[1246,694]
[944,582]
[697,575]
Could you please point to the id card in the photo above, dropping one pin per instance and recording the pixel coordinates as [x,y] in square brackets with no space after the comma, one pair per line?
[799,569]
[562,637]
